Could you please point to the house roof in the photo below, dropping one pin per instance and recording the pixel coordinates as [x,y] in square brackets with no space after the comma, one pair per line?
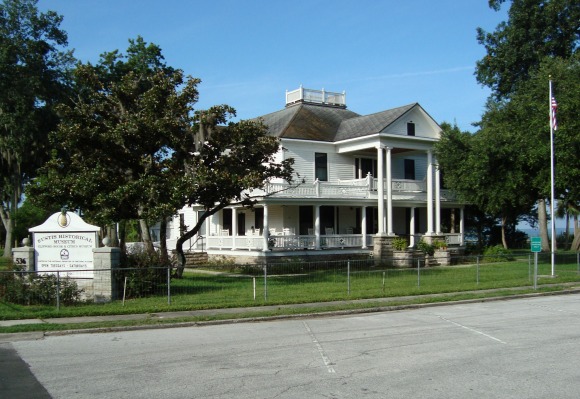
[307,121]
[324,123]
[370,124]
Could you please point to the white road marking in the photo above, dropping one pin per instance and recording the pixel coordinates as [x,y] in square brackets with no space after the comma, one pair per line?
[325,358]
[473,330]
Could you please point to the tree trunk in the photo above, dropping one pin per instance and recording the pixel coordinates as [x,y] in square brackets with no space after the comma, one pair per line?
[189,234]
[146,236]
[112,234]
[576,242]
[163,241]
[8,223]
[503,236]
[122,235]
[543,225]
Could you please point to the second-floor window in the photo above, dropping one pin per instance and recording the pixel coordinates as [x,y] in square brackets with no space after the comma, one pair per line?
[410,169]
[410,129]
[321,166]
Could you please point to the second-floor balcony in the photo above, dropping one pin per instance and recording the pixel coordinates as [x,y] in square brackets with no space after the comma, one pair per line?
[354,189]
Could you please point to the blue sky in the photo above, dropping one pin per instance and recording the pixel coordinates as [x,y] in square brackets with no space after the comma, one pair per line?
[383,53]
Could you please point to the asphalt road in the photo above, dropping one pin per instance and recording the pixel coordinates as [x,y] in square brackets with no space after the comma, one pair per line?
[525,348]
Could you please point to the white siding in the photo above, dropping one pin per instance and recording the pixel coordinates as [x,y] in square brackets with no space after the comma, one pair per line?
[340,166]
[424,125]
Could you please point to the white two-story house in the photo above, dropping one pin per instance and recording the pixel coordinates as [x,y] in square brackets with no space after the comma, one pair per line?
[361,177]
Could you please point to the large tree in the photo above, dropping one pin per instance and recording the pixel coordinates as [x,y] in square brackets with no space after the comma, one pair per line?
[113,148]
[230,162]
[484,170]
[33,78]
[536,33]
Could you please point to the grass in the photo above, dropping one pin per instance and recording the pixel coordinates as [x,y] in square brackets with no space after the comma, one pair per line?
[211,290]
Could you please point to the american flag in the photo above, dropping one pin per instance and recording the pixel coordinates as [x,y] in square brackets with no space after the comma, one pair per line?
[553,114]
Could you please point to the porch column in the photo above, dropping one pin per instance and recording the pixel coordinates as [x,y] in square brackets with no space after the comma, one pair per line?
[437,198]
[429,193]
[412,228]
[389,193]
[461,227]
[363,227]
[317,226]
[266,229]
[381,191]
[234,227]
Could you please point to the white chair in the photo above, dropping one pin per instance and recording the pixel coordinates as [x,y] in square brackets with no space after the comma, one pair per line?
[310,232]
[329,231]
[225,232]
[349,230]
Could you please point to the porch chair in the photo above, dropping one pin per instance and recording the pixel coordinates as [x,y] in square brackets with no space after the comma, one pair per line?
[329,231]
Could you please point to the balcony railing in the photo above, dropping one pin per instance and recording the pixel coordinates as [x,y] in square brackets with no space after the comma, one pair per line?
[316,97]
[355,188]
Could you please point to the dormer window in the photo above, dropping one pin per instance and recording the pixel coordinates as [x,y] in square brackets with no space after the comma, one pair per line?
[410,128]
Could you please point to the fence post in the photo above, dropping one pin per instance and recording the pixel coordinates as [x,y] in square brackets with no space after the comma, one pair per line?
[169,285]
[419,271]
[265,281]
[348,277]
[477,267]
[383,282]
[57,290]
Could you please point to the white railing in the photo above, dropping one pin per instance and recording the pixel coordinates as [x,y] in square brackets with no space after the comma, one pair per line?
[316,96]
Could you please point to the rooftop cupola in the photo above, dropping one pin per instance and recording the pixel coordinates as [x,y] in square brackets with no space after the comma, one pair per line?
[317,97]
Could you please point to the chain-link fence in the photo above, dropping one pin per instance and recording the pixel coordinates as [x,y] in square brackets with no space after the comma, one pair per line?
[231,285]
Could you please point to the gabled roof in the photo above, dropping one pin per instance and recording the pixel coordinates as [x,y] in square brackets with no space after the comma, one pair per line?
[371,124]
[325,123]
[307,122]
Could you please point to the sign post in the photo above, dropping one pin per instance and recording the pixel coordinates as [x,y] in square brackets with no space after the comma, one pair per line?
[536,247]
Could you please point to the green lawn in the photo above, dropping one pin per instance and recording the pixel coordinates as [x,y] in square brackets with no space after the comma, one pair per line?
[217,288]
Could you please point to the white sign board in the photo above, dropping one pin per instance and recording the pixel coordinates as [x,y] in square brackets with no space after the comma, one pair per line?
[65,243]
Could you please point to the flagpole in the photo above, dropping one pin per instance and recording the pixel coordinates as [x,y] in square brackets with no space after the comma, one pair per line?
[552,184]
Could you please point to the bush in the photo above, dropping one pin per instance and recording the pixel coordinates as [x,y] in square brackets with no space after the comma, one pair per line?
[497,253]
[38,289]
[145,273]
[399,244]
[426,248]
[439,244]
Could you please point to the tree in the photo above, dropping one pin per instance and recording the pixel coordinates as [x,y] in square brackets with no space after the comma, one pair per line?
[535,29]
[113,150]
[33,78]
[230,162]
[538,32]
[483,169]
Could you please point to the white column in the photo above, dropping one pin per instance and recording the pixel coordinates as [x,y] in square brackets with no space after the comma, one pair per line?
[429,193]
[412,228]
[389,193]
[317,226]
[381,191]
[437,199]
[234,227]
[461,226]
[363,227]
[266,229]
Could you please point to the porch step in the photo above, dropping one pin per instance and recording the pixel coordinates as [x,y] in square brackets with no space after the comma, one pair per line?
[193,259]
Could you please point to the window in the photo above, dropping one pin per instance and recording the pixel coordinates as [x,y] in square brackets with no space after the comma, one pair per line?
[410,169]
[321,166]
[410,129]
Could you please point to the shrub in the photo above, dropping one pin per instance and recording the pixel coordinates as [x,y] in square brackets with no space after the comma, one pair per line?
[38,289]
[399,244]
[144,273]
[439,244]
[497,253]
[426,248]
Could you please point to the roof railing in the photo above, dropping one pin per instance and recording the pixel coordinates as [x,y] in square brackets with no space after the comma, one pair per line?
[323,97]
